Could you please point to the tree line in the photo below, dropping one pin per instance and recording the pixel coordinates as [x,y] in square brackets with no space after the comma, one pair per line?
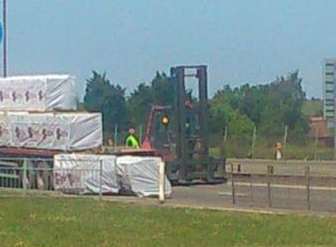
[268,108]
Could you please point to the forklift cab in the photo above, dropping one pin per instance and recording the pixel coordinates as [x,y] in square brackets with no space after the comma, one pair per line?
[182,133]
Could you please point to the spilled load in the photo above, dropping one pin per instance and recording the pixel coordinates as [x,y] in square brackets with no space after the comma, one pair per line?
[38,93]
[83,173]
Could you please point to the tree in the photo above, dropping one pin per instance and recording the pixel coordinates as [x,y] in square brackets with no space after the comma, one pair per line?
[270,107]
[160,91]
[102,96]
[139,104]
[222,114]
[283,106]
[163,89]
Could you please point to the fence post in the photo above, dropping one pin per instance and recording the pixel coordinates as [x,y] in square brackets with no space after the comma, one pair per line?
[225,134]
[115,136]
[316,143]
[269,192]
[284,142]
[25,177]
[140,133]
[307,175]
[254,137]
[100,179]
[285,136]
[251,190]
[233,186]
[162,182]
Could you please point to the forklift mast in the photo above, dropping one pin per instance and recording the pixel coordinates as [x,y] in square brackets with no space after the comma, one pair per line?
[192,132]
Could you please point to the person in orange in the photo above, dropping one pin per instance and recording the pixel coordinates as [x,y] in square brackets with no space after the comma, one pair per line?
[278,151]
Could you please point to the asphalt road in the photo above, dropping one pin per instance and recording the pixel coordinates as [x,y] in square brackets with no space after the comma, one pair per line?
[255,195]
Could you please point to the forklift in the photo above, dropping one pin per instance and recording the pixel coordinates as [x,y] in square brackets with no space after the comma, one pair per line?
[186,146]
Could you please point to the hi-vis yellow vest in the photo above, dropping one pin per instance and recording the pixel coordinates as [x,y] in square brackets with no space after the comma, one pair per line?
[132,142]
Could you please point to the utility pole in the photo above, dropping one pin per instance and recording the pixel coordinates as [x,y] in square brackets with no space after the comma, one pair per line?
[4,21]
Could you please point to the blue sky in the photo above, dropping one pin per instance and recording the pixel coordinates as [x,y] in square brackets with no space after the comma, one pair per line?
[241,40]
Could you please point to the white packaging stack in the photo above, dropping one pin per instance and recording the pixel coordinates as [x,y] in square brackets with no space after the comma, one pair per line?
[53,131]
[79,173]
[38,93]
[141,175]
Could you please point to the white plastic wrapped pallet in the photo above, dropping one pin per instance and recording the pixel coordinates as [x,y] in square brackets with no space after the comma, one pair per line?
[141,175]
[54,131]
[79,173]
[38,93]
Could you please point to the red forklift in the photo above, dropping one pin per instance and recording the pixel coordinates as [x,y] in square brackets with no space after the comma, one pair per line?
[183,143]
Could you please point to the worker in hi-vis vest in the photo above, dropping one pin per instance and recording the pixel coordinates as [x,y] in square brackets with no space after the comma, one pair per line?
[132,140]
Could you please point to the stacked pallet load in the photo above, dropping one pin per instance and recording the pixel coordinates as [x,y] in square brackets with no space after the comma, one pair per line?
[80,173]
[39,112]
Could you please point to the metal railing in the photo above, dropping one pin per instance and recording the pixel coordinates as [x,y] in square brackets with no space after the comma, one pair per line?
[311,188]
[29,174]
[39,175]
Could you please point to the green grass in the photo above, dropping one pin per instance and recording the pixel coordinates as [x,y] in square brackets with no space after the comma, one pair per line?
[85,222]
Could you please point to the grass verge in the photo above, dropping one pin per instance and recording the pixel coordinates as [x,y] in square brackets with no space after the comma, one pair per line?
[86,222]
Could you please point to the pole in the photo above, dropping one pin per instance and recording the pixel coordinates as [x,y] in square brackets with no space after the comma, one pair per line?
[115,135]
[25,177]
[224,142]
[269,193]
[251,190]
[284,141]
[233,186]
[161,182]
[254,137]
[4,20]
[100,179]
[285,136]
[140,133]
[225,134]
[307,175]
[315,144]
